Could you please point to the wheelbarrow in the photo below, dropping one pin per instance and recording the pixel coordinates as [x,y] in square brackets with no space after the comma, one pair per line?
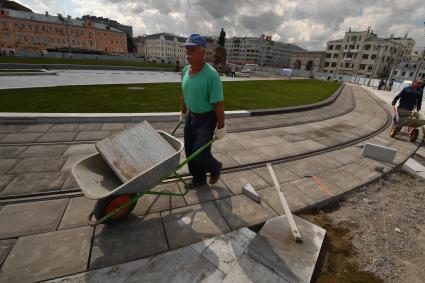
[406,123]
[116,198]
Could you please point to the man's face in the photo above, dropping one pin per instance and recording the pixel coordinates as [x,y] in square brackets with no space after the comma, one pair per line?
[416,84]
[195,54]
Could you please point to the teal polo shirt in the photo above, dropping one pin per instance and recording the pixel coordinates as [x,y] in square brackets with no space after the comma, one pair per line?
[203,90]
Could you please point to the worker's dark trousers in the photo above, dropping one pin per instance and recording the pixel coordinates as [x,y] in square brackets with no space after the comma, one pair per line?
[198,130]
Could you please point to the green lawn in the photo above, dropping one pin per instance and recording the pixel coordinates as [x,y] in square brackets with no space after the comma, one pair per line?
[161,97]
[25,60]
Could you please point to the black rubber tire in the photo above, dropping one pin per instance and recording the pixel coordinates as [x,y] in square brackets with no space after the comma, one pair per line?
[100,209]
[414,135]
[394,130]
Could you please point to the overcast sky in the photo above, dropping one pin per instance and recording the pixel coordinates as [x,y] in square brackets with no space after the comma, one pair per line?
[308,23]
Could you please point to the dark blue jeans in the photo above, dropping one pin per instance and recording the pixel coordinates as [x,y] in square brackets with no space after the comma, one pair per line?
[197,132]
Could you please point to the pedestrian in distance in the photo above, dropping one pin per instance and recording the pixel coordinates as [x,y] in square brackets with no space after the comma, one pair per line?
[202,111]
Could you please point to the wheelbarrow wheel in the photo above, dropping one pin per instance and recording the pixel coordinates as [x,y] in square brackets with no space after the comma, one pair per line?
[414,135]
[394,130]
[109,204]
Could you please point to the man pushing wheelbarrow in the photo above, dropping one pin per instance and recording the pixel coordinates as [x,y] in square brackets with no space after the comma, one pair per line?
[407,118]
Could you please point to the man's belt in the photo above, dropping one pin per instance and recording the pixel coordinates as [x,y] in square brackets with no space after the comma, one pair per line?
[201,115]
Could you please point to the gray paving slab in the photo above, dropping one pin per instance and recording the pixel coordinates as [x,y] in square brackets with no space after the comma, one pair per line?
[155,203]
[21,138]
[71,160]
[11,151]
[5,180]
[31,218]
[312,165]
[38,164]
[235,181]
[283,174]
[89,127]
[134,238]
[5,247]
[241,211]
[202,245]
[2,136]
[269,152]
[7,129]
[313,189]
[34,183]
[113,127]
[295,199]
[80,149]
[250,270]
[92,135]
[226,249]
[6,165]
[225,159]
[207,193]
[116,273]
[76,213]
[36,128]
[304,146]
[45,256]
[274,246]
[63,127]
[181,265]
[192,224]
[70,183]
[44,150]
[346,155]
[246,156]
[57,137]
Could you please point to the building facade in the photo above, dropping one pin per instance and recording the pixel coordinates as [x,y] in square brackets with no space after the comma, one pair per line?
[212,44]
[259,50]
[165,48]
[308,60]
[407,71]
[30,31]
[364,54]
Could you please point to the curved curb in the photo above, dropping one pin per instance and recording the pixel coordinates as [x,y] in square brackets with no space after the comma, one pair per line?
[80,67]
[39,118]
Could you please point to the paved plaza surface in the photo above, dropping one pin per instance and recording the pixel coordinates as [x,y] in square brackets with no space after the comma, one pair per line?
[100,77]
[43,240]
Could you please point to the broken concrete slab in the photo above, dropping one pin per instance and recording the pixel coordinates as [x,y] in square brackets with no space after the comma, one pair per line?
[241,211]
[35,183]
[378,152]
[76,213]
[207,193]
[45,256]
[182,265]
[250,270]
[31,218]
[235,181]
[155,203]
[192,224]
[274,246]
[226,249]
[250,192]
[38,164]
[135,237]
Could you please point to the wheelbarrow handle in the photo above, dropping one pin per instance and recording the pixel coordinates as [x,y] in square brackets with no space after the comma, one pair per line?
[177,126]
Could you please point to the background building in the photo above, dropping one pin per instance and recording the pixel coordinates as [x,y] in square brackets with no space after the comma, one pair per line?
[308,60]
[210,50]
[364,54]
[31,31]
[407,71]
[165,48]
[259,50]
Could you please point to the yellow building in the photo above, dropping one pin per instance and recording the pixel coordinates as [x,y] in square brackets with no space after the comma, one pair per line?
[30,31]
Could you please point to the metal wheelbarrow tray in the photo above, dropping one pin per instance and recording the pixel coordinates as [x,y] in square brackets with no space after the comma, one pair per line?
[117,185]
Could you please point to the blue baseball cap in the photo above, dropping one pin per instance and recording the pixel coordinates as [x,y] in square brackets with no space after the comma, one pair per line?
[195,39]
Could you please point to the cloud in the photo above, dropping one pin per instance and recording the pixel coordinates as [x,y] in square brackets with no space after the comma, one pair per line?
[308,23]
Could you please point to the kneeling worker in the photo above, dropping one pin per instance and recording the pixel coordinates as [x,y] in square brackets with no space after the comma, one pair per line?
[410,97]
[202,111]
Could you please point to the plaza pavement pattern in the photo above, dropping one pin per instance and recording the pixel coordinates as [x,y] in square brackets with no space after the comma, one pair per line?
[50,239]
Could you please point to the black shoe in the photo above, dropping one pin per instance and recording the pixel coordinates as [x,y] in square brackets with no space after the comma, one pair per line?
[215,177]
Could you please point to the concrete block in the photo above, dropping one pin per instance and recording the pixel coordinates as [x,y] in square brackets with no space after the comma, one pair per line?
[249,191]
[274,246]
[378,152]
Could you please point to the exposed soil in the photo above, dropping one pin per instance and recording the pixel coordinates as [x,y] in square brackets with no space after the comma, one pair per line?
[375,234]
